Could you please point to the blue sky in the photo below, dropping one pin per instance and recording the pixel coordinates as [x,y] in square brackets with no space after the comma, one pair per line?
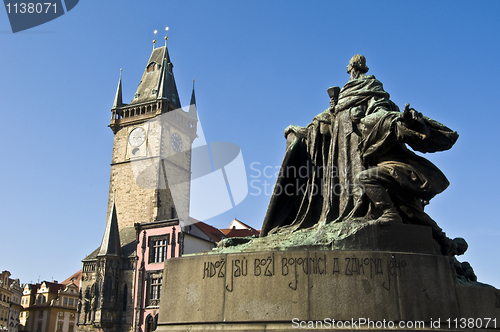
[259,66]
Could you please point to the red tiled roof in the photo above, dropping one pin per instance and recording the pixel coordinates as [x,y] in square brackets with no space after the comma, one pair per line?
[230,232]
[76,276]
[212,232]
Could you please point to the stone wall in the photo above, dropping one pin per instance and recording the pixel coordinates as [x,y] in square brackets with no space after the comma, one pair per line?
[272,288]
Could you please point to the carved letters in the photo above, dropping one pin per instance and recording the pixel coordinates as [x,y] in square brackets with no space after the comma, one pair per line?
[296,269]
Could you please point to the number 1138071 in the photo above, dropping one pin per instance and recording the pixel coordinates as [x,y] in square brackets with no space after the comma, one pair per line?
[31,8]
[472,323]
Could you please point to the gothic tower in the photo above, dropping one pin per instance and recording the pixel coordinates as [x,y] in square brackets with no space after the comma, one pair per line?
[151,149]
[148,190]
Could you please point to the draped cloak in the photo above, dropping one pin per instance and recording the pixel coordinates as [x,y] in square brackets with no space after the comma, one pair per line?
[408,177]
[316,181]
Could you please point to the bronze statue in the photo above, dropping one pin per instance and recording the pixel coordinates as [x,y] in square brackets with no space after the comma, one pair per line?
[352,163]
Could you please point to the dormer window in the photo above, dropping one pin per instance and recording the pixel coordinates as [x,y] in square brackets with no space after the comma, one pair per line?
[152,67]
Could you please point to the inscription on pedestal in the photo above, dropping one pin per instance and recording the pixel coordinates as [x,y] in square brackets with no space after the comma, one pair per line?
[297,268]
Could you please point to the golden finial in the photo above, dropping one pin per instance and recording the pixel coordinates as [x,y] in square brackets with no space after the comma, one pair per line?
[166,35]
[154,40]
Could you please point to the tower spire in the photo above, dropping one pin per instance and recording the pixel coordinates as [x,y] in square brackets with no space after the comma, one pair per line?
[192,106]
[166,84]
[118,97]
[110,245]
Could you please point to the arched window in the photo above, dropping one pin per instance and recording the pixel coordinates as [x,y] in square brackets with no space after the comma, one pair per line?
[152,67]
[149,324]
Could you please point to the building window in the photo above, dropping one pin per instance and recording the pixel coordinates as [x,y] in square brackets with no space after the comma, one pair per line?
[59,326]
[158,248]
[65,300]
[154,281]
[150,324]
[39,327]
[70,301]
[155,288]
[40,299]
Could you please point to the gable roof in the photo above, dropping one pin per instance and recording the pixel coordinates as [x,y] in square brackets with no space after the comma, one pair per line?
[213,233]
[75,278]
[238,224]
[53,287]
[232,232]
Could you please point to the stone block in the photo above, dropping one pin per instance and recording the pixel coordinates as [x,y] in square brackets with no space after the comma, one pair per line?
[284,295]
[357,284]
[425,287]
[194,289]
[479,302]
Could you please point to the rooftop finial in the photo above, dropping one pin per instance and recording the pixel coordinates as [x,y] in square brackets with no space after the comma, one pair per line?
[154,40]
[166,36]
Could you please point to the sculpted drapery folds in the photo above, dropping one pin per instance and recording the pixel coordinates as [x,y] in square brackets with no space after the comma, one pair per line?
[351,162]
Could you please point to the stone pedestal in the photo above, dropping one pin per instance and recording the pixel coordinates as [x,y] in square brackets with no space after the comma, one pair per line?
[285,290]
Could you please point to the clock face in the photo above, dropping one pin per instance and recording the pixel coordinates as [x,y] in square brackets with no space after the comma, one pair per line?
[176,142]
[137,137]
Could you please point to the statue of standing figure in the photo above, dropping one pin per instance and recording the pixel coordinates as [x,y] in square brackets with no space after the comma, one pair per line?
[352,163]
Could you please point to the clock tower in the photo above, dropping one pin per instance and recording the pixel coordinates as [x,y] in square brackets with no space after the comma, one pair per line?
[148,205]
[150,165]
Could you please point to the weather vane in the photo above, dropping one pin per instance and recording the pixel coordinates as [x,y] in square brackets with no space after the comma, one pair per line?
[154,40]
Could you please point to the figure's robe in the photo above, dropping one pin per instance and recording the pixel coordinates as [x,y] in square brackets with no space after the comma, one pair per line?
[408,177]
[316,180]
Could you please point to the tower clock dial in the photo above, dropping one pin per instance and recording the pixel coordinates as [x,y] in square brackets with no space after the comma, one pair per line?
[137,137]
[176,142]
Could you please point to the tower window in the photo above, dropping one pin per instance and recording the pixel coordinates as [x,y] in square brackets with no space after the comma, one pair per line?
[108,289]
[152,67]
[125,297]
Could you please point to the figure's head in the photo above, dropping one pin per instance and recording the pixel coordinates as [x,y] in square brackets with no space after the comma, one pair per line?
[357,62]
[462,245]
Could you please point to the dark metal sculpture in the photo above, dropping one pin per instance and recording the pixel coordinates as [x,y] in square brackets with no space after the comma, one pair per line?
[352,163]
